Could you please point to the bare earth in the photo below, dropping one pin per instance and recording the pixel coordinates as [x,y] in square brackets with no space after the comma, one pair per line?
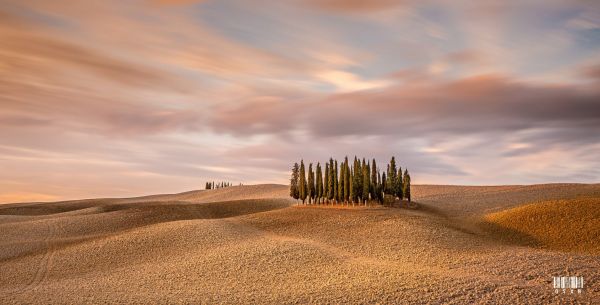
[251,244]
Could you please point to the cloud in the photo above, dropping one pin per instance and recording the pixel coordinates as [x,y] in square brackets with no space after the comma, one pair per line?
[587,20]
[465,57]
[354,6]
[263,114]
[591,72]
[95,96]
[176,2]
[487,103]
[345,81]
[23,51]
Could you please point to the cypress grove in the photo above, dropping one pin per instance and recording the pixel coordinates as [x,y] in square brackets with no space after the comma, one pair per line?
[342,183]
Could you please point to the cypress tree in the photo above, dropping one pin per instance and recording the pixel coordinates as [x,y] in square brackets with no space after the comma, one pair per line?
[373,190]
[392,180]
[384,183]
[356,189]
[326,183]
[400,184]
[331,189]
[319,184]
[351,187]
[336,186]
[302,182]
[342,184]
[294,190]
[380,185]
[311,184]
[406,185]
[347,182]
[366,181]
[360,174]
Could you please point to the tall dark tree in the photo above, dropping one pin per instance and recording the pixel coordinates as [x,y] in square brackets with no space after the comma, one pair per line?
[347,181]
[311,184]
[400,184]
[294,189]
[302,183]
[336,183]
[356,187]
[407,184]
[360,173]
[392,179]
[342,184]
[380,185]
[366,181]
[373,190]
[351,188]
[330,182]
[326,183]
[319,186]
[384,183]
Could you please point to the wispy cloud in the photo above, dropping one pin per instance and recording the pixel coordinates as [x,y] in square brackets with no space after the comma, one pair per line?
[116,98]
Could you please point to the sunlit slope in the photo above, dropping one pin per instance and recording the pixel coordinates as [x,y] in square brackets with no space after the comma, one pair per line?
[458,200]
[234,193]
[224,247]
[566,225]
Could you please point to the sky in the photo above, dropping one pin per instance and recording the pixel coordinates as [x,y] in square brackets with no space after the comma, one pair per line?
[121,98]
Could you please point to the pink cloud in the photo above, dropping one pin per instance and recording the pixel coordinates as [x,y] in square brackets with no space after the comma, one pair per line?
[354,6]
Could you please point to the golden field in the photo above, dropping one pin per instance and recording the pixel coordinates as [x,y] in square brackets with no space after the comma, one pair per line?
[252,244]
[566,224]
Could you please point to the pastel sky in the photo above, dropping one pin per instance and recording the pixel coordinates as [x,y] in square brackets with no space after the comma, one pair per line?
[115,98]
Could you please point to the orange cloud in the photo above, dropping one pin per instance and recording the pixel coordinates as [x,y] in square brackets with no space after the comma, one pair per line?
[176,2]
[26,197]
[354,6]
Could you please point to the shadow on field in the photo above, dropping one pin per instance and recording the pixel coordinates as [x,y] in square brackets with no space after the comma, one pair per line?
[507,235]
[74,226]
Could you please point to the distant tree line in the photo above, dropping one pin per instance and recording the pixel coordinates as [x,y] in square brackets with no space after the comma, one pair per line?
[218,185]
[345,183]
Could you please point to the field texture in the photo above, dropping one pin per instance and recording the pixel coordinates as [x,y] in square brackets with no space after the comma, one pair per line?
[252,244]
